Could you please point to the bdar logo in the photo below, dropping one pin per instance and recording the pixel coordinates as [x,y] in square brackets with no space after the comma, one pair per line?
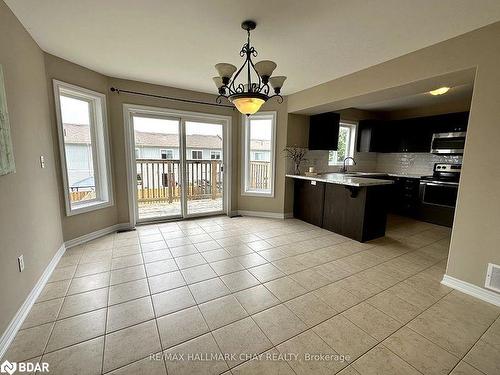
[8,367]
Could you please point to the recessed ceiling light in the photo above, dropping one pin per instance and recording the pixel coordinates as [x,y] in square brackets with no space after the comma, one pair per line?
[439,91]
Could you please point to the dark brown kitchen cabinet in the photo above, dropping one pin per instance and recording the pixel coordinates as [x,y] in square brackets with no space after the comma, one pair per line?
[407,135]
[324,131]
[359,213]
[308,201]
[405,197]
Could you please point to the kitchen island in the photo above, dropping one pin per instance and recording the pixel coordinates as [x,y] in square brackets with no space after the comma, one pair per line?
[355,207]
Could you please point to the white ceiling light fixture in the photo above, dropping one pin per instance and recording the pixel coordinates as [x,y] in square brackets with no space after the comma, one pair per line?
[248,95]
[439,91]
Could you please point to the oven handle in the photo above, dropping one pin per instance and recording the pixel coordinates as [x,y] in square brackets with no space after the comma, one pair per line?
[450,151]
[438,183]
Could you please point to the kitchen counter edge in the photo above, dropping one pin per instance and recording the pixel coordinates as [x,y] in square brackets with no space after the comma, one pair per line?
[344,180]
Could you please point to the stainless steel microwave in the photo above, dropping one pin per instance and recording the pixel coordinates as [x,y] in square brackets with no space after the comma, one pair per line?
[448,143]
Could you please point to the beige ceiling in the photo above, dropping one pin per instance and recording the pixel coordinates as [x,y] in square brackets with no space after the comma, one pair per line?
[456,94]
[176,43]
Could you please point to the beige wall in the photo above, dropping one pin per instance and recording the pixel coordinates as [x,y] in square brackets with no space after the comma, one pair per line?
[56,68]
[81,224]
[267,204]
[87,222]
[115,109]
[29,199]
[475,235]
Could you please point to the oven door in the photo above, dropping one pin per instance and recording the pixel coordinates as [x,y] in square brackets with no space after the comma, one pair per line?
[448,143]
[438,193]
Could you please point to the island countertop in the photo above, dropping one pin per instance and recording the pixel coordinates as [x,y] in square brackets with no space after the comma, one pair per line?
[341,179]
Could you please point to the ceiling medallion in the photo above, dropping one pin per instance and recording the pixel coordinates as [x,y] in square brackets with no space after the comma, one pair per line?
[248,97]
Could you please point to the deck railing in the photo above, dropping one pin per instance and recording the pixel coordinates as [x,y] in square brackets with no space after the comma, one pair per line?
[160,180]
[260,175]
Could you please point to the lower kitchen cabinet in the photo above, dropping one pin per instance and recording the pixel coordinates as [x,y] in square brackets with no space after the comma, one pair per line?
[308,201]
[405,198]
[359,213]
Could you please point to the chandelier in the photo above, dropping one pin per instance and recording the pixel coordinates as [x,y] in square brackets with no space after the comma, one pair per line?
[248,96]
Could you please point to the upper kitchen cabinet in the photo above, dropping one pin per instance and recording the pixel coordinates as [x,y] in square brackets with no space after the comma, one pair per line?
[324,131]
[450,122]
[407,135]
[375,136]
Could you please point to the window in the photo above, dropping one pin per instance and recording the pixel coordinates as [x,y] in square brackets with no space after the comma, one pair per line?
[137,153]
[258,156]
[196,154]
[259,140]
[83,143]
[167,154]
[215,155]
[347,139]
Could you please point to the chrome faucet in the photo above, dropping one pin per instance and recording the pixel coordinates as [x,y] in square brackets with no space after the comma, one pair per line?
[344,167]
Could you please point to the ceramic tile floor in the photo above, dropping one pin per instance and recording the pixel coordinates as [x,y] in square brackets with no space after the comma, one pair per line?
[259,296]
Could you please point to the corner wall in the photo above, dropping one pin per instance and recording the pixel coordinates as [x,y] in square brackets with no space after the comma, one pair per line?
[274,204]
[30,220]
[62,70]
[117,135]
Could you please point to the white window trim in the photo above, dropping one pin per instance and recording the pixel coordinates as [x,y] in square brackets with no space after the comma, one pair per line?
[130,109]
[352,139]
[196,151]
[102,167]
[166,151]
[215,151]
[245,141]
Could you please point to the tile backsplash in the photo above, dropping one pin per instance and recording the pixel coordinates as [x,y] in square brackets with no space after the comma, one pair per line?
[400,163]
[413,163]
[365,161]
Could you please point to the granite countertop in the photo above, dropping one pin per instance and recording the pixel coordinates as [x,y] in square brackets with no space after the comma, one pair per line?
[409,175]
[381,174]
[342,179]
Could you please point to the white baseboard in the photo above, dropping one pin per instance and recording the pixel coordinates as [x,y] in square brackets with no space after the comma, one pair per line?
[22,313]
[270,215]
[93,235]
[472,290]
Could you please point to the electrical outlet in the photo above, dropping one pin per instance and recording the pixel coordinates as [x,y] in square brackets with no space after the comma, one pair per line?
[20,261]
[42,161]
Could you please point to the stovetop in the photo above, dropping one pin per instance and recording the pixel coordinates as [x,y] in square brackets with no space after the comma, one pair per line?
[445,172]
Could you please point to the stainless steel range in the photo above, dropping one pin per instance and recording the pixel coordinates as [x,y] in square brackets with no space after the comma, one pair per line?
[438,194]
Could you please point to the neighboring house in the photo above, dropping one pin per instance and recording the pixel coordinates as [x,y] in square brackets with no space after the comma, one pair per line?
[166,146]
[147,146]
[260,150]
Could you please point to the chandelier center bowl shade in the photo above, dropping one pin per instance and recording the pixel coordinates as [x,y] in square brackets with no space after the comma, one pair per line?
[248,87]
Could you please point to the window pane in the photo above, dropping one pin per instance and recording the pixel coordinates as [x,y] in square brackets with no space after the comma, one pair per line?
[343,143]
[260,169]
[78,149]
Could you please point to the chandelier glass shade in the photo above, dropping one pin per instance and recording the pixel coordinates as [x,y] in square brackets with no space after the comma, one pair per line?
[248,87]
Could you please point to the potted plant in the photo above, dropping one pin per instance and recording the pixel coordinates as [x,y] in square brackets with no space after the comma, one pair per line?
[297,155]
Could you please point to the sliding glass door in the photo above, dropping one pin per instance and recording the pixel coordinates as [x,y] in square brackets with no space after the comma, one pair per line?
[204,161]
[158,166]
[179,166]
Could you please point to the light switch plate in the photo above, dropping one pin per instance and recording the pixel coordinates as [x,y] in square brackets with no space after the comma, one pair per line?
[42,161]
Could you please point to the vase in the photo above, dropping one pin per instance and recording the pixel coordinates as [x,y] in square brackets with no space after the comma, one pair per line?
[297,169]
